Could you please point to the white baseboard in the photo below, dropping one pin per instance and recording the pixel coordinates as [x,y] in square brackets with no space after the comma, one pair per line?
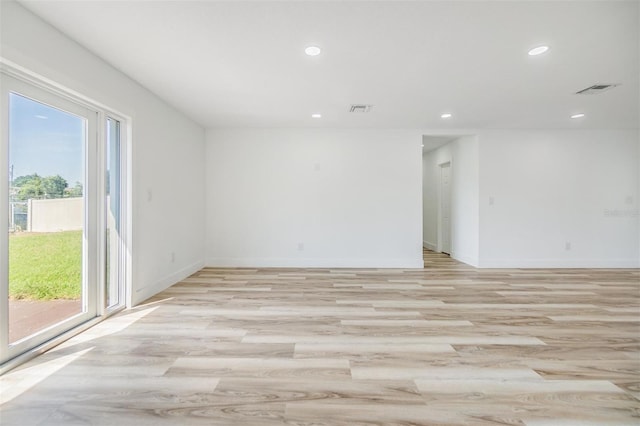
[144,293]
[230,262]
[560,263]
[429,246]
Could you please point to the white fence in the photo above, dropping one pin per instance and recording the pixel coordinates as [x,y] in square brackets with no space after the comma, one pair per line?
[59,214]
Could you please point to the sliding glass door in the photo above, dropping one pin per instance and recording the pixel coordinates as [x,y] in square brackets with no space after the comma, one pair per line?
[114,235]
[61,254]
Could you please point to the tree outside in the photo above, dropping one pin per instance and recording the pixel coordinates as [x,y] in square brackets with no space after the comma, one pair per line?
[34,186]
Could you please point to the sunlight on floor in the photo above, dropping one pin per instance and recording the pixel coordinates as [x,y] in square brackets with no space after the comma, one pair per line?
[15,383]
[18,381]
[107,327]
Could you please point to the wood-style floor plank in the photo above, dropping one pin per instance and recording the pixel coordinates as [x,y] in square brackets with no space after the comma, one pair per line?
[445,345]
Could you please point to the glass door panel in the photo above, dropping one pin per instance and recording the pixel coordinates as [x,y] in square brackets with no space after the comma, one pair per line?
[113,236]
[46,181]
[49,281]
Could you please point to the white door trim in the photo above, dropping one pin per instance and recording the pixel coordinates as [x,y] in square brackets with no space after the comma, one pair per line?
[440,244]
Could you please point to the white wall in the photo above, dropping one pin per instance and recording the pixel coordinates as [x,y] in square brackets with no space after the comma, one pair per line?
[351,197]
[550,188]
[168,148]
[462,153]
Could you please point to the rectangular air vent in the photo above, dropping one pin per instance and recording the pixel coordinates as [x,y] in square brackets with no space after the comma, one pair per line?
[596,88]
[360,108]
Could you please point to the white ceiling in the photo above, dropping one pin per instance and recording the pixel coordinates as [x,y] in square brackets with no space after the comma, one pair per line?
[239,63]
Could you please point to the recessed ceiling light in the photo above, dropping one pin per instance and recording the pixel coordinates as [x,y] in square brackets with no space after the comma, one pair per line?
[538,50]
[446,115]
[316,115]
[577,115]
[42,117]
[423,145]
[312,50]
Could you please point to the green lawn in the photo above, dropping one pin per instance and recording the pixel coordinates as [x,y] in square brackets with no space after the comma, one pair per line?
[45,266]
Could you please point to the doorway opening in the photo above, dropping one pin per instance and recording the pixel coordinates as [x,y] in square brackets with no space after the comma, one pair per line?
[436,194]
[450,195]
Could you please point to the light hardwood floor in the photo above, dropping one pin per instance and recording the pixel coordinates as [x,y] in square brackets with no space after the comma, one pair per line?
[447,345]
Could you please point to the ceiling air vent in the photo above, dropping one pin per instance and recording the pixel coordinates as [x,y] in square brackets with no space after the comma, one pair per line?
[360,108]
[596,88]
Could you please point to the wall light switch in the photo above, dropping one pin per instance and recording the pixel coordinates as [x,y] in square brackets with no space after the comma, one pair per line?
[490,201]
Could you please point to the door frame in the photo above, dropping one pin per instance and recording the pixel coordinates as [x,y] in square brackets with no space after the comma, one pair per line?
[94,210]
[126,216]
[439,244]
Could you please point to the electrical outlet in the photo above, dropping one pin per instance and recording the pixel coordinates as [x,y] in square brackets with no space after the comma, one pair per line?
[567,246]
[173,257]
[490,201]
[300,246]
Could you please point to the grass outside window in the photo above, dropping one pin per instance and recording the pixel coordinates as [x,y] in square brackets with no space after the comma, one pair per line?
[45,266]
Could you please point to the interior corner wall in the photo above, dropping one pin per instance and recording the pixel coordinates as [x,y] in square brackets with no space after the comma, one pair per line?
[559,198]
[168,149]
[462,153]
[314,198]
[429,201]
